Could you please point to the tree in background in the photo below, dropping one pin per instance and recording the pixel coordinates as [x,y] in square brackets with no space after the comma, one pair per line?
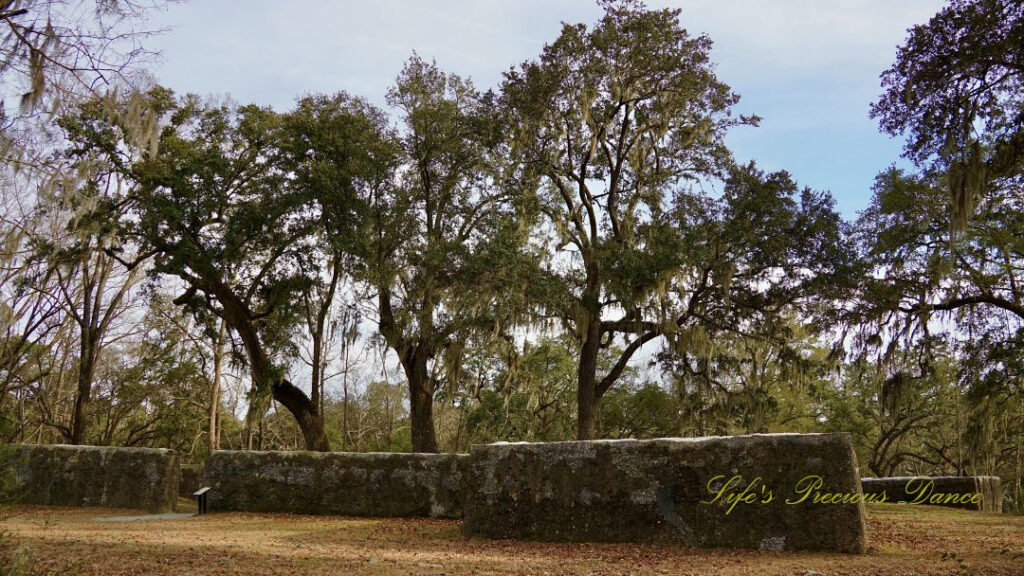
[957,91]
[217,209]
[71,48]
[95,292]
[961,305]
[528,397]
[905,233]
[29,315]
[905,413]
[151,390]
[252,205]
[75,237]
[745,384]
[279,232]
[53,55]
[336,150]
[941,249]
[443,253]
[609,120]
[992,376]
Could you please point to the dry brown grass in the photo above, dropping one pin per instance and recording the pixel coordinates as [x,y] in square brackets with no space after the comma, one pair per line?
[904,540]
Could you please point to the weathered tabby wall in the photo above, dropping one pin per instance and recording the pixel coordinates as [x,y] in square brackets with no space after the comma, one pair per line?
[663,490]
[350,484]
[58,475]
[947,491]
[191,480]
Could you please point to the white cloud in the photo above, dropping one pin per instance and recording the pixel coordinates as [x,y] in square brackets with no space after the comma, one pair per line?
[809,67]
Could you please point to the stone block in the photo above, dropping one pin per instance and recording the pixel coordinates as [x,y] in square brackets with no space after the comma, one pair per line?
[60,475]
[350,484]
[665,491]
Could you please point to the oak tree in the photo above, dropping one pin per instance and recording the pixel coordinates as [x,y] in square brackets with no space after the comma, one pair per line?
[444,252]
[618,126]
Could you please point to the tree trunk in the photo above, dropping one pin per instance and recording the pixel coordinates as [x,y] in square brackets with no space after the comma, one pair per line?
[586,383]
[318,329]
[239,318]
[344,389]
[421,399]
[218,362]
[251,424]
[86,370]
[316,382]
[305,413]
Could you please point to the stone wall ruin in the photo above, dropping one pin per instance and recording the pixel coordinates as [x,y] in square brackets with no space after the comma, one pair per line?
[349,484]
[664,491]
[59,475]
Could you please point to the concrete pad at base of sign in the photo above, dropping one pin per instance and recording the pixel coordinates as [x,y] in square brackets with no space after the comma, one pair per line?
[167,516]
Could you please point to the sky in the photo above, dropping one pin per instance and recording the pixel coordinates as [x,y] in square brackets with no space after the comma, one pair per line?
[809,68]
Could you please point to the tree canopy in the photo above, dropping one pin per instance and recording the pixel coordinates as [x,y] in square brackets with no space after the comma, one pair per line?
[573,253]
[955,91]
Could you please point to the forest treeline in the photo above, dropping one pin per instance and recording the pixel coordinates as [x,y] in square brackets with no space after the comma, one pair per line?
[574,253]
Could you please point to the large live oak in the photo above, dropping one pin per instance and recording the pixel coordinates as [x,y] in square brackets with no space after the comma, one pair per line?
[232,202]
[616,125]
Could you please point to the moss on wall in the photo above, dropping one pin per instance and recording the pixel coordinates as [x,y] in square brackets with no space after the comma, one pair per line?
[352,484]
[59,475]
[664,490]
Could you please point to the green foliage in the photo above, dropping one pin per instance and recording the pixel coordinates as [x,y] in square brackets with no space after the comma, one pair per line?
[959,68]
[650,411]
[942,249]
[236,202]
[151,393]
[744,385]
[915,285]
[378,419]
[517,250]
[613,122]
[444,244]
[955,89]
[532,400]
[906,415]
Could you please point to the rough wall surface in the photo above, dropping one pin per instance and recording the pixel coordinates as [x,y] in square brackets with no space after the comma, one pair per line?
[351,484]
[191,480]
[652,490]
[58,475]
[933,491]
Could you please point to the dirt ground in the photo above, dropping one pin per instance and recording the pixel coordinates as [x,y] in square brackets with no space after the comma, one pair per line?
[904,540]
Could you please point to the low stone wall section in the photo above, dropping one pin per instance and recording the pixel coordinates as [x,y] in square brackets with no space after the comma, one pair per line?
[191,480]
[348,484]
[59,475]
[981,493]
[665,490]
